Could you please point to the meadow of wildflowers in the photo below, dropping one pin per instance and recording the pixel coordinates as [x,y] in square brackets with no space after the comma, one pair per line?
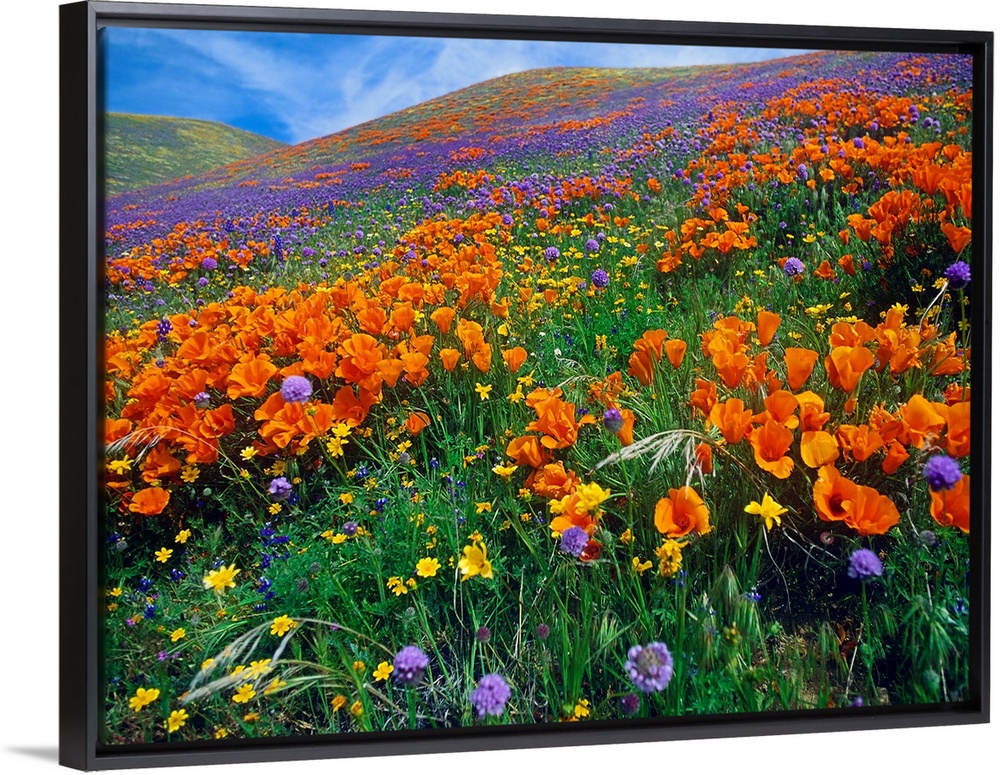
[580,394]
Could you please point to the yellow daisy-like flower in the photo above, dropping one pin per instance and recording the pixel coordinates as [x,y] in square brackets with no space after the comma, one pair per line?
[244,694]
[346,498]
[641,567]
[358,665]
[190,474]
[383,671]
[281,625]
[176,720]
[274,508]
[142,698]
[182,536]
[626,537]
[504,472]
[474,562]
[164,554]
[484,506]
[221,732]
[582,709]
[768,510]
[338,702]
[483,391]
[669,555]
[177,634]
[259,667]
[591,495]
[207,663]
[357,709]
[247,453]
[116,592]
[427,567]
[121,466]
[221,579]
[275,685]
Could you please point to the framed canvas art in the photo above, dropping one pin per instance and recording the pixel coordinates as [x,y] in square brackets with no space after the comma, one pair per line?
[437,382]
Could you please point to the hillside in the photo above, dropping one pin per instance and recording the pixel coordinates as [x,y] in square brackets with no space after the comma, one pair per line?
[145,150]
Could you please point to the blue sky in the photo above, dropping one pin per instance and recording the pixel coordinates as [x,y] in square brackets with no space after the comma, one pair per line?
[294,87]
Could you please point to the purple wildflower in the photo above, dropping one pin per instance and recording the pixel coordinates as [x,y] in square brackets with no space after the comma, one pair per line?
[794,267]
[542,631]
[483,634]
[650,667]
[552,253]
[280,488]
[202,400]
[490,696]
[349,528]
[592,246]
[574,539]
[864,564]
[942,472]
[296,390]
[409,666]
[600,278]
[209,264]
[613,420]
[958,274]
[630,704]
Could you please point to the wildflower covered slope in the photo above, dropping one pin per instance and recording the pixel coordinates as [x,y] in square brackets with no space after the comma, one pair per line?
[578,394]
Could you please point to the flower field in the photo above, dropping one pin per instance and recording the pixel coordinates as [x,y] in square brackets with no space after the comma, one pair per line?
[578,395]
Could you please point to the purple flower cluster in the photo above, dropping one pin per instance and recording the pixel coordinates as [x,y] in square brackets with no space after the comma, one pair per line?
[600,278]
[794,267]
[958,274]
[942,472]
[613,420]
[574,539]
[296,390]
[650,667]
[280,488]
[864,564]
[409,665]
[490,696]
[552,253]
[591,246]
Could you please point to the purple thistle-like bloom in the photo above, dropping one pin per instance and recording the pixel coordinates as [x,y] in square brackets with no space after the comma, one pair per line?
[794,267]
[552,253]
[280,488]
[349,528]
[864,564]
[490,696]
[296,390]
[483,634]
[202,400]
[574,539]
[650,667]
[630,704]
[958,274]
[592,246]
[803,171]
[613,420]
[600,278]
[542,631]
[409,665]
[857,702]
[209,264]
[942,472]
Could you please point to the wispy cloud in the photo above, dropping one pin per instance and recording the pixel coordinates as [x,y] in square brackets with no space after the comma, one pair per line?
[296,87]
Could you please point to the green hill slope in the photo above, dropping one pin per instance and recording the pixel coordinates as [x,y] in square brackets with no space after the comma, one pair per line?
[143,150]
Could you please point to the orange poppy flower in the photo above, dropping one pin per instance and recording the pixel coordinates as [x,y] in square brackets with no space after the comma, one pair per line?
[527,451]
[514,358]
[860,441]
[449,358]
[824,271]
[847,264]
[704,397]
[871,512]
[958,237]
[950,508]
[770,443]
[818,448]
[417,421]
[781,406]
[674,350]
[350,409]
[556,421]
[959,429]
[640,366]
[703,457]
[552,481]
[845,365]
[442,318]
[732,367]
[920,420]
[625,435]
[731,419]
[159,464]
[833,495]
[414,364]
[150,501]
[767,325]
[895,456]
[681,512]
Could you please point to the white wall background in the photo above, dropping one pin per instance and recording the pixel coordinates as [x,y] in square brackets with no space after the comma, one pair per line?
[28,410]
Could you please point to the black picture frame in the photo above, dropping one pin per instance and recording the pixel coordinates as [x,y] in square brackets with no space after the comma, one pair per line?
[81,380]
